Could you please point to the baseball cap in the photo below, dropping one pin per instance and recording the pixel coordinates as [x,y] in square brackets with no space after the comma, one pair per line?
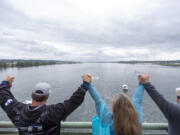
[42,89]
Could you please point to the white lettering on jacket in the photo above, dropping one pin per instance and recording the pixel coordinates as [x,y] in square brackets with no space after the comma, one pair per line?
[8,102]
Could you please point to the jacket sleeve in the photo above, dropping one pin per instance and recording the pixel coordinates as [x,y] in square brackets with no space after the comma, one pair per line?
[107,115]
[60,111]
[137,101]
[7,100]
[167,108]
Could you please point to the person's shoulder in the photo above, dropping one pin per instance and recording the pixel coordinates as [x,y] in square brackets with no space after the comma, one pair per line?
[15,104]
[21,104]
[50,106]
[53,106]
[174,105]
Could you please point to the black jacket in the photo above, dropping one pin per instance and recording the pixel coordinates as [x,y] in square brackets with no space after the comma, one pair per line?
[38,120]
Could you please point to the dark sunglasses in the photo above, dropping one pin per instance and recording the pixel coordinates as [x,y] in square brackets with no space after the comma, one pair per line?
[178,97]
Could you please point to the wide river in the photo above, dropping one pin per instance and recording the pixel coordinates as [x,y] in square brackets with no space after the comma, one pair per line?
[107,78]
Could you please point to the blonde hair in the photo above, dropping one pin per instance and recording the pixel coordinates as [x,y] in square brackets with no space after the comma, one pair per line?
[125,117]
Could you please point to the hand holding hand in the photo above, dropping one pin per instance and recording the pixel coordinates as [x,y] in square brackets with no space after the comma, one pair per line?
[87,78]
[10,79]
[143,78]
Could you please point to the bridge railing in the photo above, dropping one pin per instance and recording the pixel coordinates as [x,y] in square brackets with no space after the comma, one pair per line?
[84,128]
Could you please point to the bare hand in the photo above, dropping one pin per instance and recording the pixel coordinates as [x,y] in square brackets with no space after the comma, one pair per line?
[87,78]
[143,78]
[10,79]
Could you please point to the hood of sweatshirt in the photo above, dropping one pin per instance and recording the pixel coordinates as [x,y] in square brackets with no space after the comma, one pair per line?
[31,113]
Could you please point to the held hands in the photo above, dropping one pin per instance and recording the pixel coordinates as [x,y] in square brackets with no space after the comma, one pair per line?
[10,79]
[87,78]
[143,78]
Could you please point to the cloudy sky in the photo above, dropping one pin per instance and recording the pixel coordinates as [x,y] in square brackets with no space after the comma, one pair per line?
[90,30]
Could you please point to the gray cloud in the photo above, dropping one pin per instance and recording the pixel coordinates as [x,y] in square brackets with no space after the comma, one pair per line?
[157,31]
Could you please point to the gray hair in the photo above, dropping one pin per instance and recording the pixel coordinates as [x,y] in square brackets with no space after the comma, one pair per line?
[178,89]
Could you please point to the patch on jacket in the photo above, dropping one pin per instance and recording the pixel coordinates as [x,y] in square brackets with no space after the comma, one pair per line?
[8,102]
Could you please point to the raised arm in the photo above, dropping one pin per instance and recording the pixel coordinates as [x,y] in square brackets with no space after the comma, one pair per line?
[107,115]
[137,101]
[6,97]
[164,105]
[60,111]
[5,94]
[168,108]
[73,102]
[7,100]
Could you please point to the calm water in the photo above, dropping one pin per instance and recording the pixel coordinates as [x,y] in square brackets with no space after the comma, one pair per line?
[108,79]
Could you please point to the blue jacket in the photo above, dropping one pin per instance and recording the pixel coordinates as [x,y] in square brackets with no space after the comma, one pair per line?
[107,116]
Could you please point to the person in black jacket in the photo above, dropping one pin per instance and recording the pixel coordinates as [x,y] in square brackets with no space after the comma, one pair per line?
[38,118]
[170,110]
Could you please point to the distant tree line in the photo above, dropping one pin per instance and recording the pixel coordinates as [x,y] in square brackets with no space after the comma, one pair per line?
[25,63]
[29,63]
[154,62]
[3,64]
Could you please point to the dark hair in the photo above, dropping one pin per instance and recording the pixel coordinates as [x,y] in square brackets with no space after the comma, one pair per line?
[39,98]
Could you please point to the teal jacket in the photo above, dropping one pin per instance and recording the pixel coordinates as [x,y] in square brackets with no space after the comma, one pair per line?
[107,116]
